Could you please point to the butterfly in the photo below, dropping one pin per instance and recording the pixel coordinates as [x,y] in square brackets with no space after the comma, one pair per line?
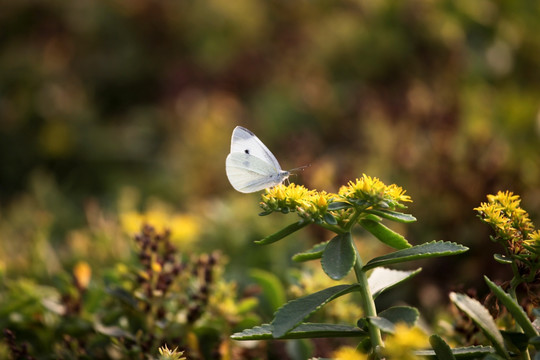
[250,166]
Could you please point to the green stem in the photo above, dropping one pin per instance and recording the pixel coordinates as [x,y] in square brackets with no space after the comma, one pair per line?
[368,304]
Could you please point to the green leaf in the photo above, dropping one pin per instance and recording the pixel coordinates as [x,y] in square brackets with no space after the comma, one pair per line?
[482,318]
[393,215]
[427,250]
[306,330]
[283,232]
[311,254]
[383,324]
[502,259]
[465,353]
[272,289]
[330,219]
[338,205]
[441,348]
[295,311]
[382,279]
[513,307]
[384,234]
[339,256]
[401,314]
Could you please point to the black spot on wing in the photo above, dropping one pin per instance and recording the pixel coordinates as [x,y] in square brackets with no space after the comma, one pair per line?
[246,151]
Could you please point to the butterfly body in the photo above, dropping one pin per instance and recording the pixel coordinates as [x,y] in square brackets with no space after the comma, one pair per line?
[250,166]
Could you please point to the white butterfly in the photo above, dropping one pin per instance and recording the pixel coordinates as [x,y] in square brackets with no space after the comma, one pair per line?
[251,166]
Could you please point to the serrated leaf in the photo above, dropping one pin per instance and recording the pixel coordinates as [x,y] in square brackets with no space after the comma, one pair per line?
[482,318]
[272,289]
[393,215]
[513,307]
[441,348]
[286,231]
[383,324]
[302,331]
[382,279]
[385,234]
[401,314]
[427,250]
[312,254]
[295,311]
[338,256]
[465,353]
[338,205]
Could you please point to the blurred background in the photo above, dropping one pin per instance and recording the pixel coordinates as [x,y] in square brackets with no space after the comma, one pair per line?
[115,109]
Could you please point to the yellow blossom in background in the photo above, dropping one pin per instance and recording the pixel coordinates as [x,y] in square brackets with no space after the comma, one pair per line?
[348,353]
[404,342]
[184,228]
[82,273]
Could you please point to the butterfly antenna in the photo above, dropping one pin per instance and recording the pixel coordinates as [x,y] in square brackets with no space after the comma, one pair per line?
[299,168]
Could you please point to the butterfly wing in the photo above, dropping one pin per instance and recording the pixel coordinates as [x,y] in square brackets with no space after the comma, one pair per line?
[248,173]
[244,141]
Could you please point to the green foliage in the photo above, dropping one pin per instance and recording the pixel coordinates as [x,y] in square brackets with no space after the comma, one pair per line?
[338,257]
[354,204]
[427,250]
[164,298]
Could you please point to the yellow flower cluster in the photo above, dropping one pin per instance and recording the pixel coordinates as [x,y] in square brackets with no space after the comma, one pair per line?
[374,192]
[511,223]
[310,204]
[403,343]
[367,192]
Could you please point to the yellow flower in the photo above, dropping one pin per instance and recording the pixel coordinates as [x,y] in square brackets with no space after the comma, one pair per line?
[168,354]
[309,204]
[348,353]
[374,192]
[534,241]
[82,273]
[405,340]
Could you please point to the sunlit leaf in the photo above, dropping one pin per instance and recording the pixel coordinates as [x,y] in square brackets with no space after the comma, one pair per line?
[384,234]
[482,318]
[464,353]
[513,307]
[427,250]
[295,311]
[302,331]
[382,279]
